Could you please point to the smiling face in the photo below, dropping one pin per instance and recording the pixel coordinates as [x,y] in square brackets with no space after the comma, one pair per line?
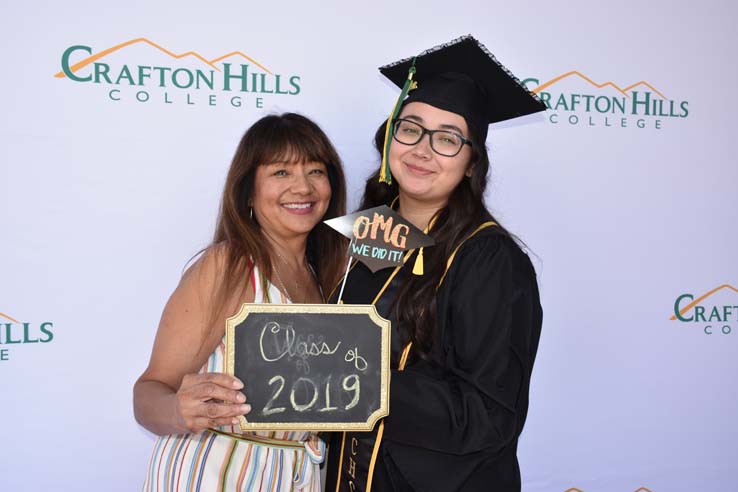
[290,198]
[422,174]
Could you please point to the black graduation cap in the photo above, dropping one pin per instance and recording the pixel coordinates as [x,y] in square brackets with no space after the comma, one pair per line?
[379,236]
[463,77]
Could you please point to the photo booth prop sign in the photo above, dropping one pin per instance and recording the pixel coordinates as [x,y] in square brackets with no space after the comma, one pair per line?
[310,367]
[379,236]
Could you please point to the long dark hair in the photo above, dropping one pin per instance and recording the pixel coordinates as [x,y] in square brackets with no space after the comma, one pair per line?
[288,137]
[415,305]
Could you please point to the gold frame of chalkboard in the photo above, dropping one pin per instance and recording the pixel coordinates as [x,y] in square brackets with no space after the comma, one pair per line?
[383,324]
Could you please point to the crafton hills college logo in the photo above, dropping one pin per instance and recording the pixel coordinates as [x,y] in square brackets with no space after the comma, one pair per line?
[14,333]
[715,311]
[574,99]
[141,71]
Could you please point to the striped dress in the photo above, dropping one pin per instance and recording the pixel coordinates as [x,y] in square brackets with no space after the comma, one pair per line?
[227,460]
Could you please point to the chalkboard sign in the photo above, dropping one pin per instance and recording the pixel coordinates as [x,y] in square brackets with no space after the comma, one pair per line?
[310,367]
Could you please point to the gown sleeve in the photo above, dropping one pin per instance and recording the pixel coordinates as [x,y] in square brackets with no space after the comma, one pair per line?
[476,397]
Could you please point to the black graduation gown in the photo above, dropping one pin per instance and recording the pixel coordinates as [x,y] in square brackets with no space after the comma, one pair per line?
[454,422]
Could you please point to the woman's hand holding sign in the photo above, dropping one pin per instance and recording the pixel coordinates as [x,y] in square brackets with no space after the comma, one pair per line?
[209,400]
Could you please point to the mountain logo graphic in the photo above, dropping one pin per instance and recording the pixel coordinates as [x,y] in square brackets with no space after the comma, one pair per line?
[102,54]
[3,315]
[624,90]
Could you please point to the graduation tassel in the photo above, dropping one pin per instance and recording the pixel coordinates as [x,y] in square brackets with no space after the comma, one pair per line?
[384,171]
[418,266]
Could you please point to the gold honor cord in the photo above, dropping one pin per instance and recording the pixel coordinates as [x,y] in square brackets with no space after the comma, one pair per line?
[380,431]
[340,463]
[456,249]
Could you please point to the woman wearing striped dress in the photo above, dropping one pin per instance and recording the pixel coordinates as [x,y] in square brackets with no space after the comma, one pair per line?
[269,246]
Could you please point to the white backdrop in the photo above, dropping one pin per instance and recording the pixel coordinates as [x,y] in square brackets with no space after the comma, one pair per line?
[104,201]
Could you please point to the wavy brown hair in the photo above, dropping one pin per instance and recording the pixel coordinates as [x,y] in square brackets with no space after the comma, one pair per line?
[288,137]
[415,305]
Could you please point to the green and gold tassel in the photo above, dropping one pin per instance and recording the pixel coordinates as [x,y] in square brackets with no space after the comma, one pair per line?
[384,170]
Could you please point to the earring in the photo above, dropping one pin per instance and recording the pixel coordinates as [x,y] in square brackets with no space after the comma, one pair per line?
[251,213]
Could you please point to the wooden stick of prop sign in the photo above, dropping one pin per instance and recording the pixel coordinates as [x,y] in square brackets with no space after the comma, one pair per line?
[348,267]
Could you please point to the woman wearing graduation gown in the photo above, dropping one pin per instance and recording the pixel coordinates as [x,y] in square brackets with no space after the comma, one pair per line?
[465,312]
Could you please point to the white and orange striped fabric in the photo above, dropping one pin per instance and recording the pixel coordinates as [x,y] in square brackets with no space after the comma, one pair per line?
[227,460]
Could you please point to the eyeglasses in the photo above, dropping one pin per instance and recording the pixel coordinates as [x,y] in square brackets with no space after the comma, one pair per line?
[442,142]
